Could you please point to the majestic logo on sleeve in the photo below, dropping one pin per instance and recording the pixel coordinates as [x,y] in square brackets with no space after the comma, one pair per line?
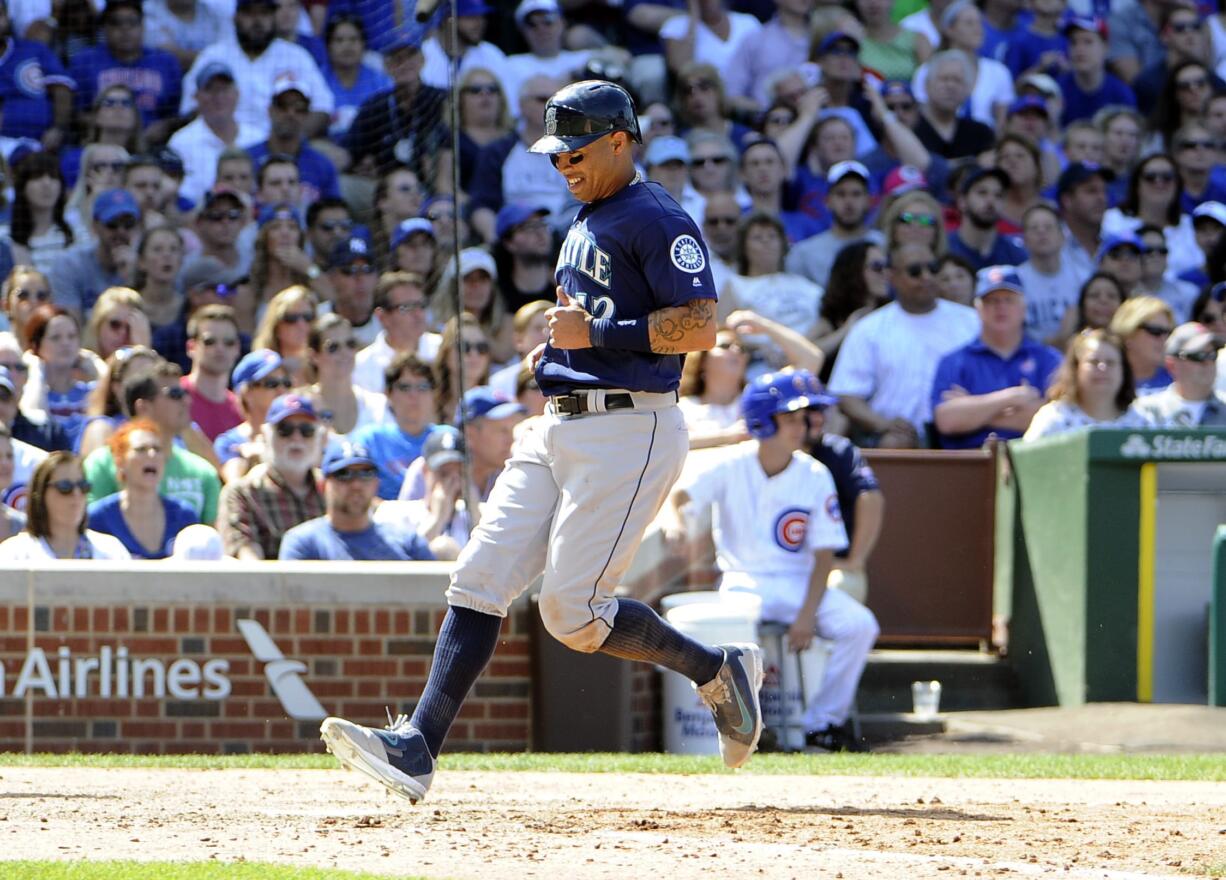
[686,254]
[832,508]
[790,529]
[580,253]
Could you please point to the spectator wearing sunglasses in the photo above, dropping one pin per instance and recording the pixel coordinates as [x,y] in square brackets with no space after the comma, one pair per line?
[206,281]
[346,531]
[109,260]
[1145,323]
[24,290]
[281,492]
[328,223]
[886,364]
[397,442]
[118,320]
[1190,401]
[1178,294]
[213,346]
[101,169]
[525,252]
[155,394]
[351,269]
[332,346]
[400,308]
[223,215]
[258,380]
[105,410]
[56,517]
[144,520]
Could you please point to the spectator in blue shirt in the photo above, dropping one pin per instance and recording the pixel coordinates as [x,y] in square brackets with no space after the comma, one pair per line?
[350,80]
[153,75]
[1087,86]
[993,386]
[287,115]
[35,90]
[346,531]
[396,444]
[1039,47]
[289,21]
[976,239]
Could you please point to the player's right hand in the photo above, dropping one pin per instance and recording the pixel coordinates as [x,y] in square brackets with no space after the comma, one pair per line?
[534,356]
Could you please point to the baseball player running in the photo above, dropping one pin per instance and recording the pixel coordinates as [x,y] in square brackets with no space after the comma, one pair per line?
[776,523]
[634,294]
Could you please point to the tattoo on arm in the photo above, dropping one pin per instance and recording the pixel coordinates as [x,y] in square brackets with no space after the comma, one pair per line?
[680,329]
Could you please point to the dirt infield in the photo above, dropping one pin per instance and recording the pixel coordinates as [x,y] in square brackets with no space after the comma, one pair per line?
[558,825]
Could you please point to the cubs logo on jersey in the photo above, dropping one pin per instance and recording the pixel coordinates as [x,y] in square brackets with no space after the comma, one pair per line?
[791,526]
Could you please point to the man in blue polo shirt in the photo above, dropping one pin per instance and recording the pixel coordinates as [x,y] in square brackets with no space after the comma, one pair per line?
[976,239]
[287,117]
[994,385]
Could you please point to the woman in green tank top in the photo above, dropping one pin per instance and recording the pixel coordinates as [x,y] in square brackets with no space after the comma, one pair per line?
[890,50]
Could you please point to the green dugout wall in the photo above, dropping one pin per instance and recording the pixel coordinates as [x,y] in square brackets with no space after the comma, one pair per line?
[1111,569]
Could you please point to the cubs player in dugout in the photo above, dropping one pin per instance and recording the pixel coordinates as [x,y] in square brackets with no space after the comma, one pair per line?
[634,294]
[776,521]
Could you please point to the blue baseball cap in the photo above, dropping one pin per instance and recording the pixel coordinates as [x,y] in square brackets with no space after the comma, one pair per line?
[515,213]
[290,405]
[1122,239]
[1083,23]
[1078,173]
[115,203]
[347,454]
[6,380]
[894,87]
[470,7]
[412,226]
[269,213]
[211,71]
[833,37]
[667,148]
[444,445]
[1029,102]
[483,402]
[994,278]
[349,251]
[254,366]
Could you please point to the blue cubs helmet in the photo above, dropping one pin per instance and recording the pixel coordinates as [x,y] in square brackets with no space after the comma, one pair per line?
[583,112]
[773,393]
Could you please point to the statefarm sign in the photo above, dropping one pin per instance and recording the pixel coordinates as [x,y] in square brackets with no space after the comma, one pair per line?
[1186,447]
[114,674]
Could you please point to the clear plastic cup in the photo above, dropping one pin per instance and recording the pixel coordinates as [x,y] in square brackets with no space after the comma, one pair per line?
[925,699]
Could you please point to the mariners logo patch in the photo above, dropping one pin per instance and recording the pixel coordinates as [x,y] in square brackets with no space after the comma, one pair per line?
[790,529]
[551,120]
[686,254]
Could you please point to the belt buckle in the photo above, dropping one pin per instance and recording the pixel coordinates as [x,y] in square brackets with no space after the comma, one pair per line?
[567,405]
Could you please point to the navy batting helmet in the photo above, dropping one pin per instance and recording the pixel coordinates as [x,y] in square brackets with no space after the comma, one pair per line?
[582,112]
[773,393]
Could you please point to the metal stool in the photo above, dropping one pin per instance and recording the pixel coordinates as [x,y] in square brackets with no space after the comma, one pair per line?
[772,636]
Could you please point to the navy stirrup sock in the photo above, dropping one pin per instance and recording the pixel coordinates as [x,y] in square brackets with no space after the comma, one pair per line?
[641,634]
[466,642]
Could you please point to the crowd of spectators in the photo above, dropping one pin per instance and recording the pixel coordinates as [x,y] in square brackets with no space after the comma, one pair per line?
[231,230]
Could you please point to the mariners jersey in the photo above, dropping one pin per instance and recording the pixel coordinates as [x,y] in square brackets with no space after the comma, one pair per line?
[624,257]
[767,527]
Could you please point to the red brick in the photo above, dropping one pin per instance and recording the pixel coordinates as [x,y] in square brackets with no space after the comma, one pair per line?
[101,620]
[330,647]
[370,688]
[283,730]
[236,709]
[473,709]
[237,729]
[369,667]
[144,647]
[200,620]
[402,623]
[148,709]
[414,667]
[49,708]
[263,617]
[514,647]
[13,644]
[280,620]
[4,618]
[224,646]
[161,620]
[59,620]
[12,729]
[182,620]
[333,688]
[192,730]
[221,621]
[509,668]
[121,620]
[371,711]
[383,622]
[255,688]
[406,687]
[302,620]
[96,707]
[500,731]
[370,647]
[240,667]
[508,710]
[148,728]
[342,621]
[361,622]
[80,620]
[21,618]
[267,709]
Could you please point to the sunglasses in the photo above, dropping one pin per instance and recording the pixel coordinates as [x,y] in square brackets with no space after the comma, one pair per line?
[16,367]
[67,487]
[116,166]
[409,188]
[218,216]
[174,392]
[875,265]
[364,269]
[699,162]
[915,270]
[1198,145]
[125,223]
[911,218]
[115,102]
[408,308]
[297,318]
[478,347]
[900,106]
[227,342]
[25,295]
[1158,250]
[1124,253]
[1184,27]
[423,387]
[332,346]
[489,89]
[336,225]
[1187,85]
[306,430]
[117,324]
[348,475]
[572,159]
[842,49]
[274,384]
[1198,357]
[1158,176]
[1157,330]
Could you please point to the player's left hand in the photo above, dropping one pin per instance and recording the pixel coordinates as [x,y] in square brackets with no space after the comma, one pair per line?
[801,632]
[568,324]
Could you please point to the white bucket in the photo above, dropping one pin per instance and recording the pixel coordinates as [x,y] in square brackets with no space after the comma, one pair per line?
[712,619]
[782,700]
